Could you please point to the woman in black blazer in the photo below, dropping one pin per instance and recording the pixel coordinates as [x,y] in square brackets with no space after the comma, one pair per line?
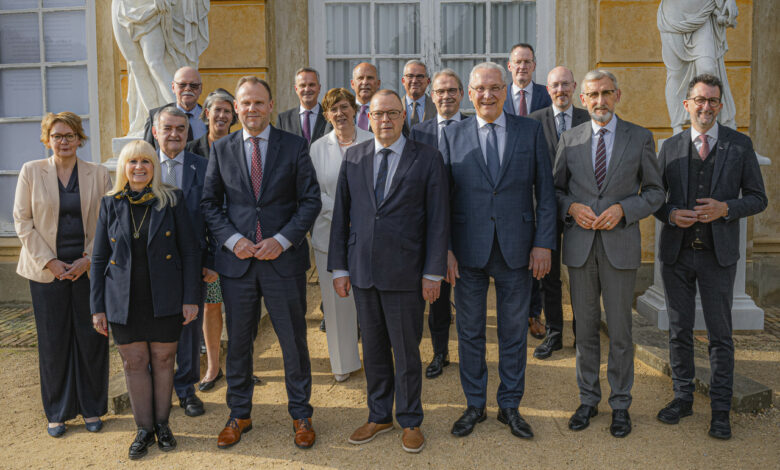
[146,284]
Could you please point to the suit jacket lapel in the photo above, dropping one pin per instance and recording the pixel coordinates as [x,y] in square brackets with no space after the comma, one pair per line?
[296,122]
[52,184]
[237,149]
[682,152]
[509,104]
[512,132]
[271,157]
[720,155]
[408,155]
[586,154]
[155,220]
[319,125]
[477,149]
[85,190]
[618,149]
[122,210]
[430,109]
[188,175]
[367,162]
[550,126]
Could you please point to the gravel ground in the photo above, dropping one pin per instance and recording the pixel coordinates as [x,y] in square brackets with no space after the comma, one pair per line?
[551,397]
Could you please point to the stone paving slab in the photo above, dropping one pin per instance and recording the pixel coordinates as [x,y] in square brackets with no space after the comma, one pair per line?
[17,326]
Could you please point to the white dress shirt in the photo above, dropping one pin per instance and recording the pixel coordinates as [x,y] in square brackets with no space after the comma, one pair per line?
[441,120]
[609,139]
[248,147]
[315,111]
[178,167]
[193,116]
[529,92]
[712,137]
[483,130]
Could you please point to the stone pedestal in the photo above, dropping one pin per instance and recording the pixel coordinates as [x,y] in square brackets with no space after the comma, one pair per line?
[745,314]
[117,144]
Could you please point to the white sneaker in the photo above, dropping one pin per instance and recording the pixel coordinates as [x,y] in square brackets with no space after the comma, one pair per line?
[341,377]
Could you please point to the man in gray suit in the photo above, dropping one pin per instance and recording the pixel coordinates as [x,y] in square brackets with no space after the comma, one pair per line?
[419,106]
[705,168]
[607,180]
[503,226]
[308,119]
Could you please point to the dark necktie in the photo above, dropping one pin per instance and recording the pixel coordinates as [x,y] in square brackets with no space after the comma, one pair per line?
[561,123]
[441,131]
[257,180]
[381,177]
[522,109]
[306,126]
[414,118]
[601,159]
[491,152]
[704,148]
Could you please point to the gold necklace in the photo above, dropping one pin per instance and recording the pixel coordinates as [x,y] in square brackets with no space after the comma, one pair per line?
[137,230]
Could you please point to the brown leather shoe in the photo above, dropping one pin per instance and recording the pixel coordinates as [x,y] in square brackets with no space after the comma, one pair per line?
[368,432]
[304,433]
[232,432]
[412,440]
[536,328]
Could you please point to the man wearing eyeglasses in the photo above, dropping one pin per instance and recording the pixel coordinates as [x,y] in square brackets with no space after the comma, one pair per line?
[419,106]
[704,168]
[503,226]
[388,241]
[607,180]
[556,119]
[523,98]
[187,87]
[447,92]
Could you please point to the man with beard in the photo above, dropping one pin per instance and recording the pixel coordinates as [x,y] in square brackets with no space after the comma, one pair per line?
[187,86]
[705,168]
[308,119]
[556,119]
[365,82]
[607,180]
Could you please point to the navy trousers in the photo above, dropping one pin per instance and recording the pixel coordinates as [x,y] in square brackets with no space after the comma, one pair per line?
[513,289]
[391,323]
[285,300]
[188,356]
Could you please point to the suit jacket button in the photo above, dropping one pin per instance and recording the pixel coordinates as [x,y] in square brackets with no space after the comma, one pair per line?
[493,218]
[168,256]
[168,233]
[601,197]
[495,193]
[376,218]
[113,262]
[113,240]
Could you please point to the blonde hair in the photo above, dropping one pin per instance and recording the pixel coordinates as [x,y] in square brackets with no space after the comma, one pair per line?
[142,149]
[66,117]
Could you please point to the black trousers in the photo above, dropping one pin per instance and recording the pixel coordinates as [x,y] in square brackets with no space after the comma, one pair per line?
[391,323]
[716,284]
[552,293]
[188,355]
[285,300]
[72,356]
[440,319]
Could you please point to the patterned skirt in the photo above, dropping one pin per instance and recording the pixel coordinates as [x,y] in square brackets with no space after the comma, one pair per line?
[213,292]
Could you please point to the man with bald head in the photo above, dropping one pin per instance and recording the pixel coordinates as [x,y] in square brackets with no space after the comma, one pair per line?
[365,82]
[187,86]
[557,118]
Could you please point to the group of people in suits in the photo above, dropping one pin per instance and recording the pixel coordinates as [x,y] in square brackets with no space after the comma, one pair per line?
[406,200]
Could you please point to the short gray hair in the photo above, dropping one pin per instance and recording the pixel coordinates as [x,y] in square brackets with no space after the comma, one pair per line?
[307,69]
[487,66]
[171,111]
[449,73]
[598,74]
[220,94]
[416,62]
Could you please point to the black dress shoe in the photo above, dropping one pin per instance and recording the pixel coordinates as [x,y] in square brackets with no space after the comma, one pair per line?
[465,424]
[516,423]
[256,380]
[204,386]
[143,439]
[165,439]
[720,428]
[674,410]
[192,406]
[436,367]
[621,423]
[581,418]
[551,343]
[322,325]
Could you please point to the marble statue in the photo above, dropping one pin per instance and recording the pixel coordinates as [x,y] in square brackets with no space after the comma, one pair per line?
[693,37]
[157,37]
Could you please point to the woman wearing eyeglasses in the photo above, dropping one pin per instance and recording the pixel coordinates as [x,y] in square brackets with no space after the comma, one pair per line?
[55,213]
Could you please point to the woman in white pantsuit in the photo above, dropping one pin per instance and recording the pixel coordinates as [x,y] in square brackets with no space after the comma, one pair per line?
[327,154]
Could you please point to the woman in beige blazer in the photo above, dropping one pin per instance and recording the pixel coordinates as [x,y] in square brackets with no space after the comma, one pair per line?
[55,215]
[327,154]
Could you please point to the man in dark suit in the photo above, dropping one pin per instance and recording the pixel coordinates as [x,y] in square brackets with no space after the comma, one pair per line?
[556,119]
[186,171]
[308,119]
[607,180]
[187,86]
[273,197]
[365,82]
[498,167]
[705,168]
[419,106]
[524,97]
[389,240]
[447,92]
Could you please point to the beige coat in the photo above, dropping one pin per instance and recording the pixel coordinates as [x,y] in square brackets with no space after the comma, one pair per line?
[37,209]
